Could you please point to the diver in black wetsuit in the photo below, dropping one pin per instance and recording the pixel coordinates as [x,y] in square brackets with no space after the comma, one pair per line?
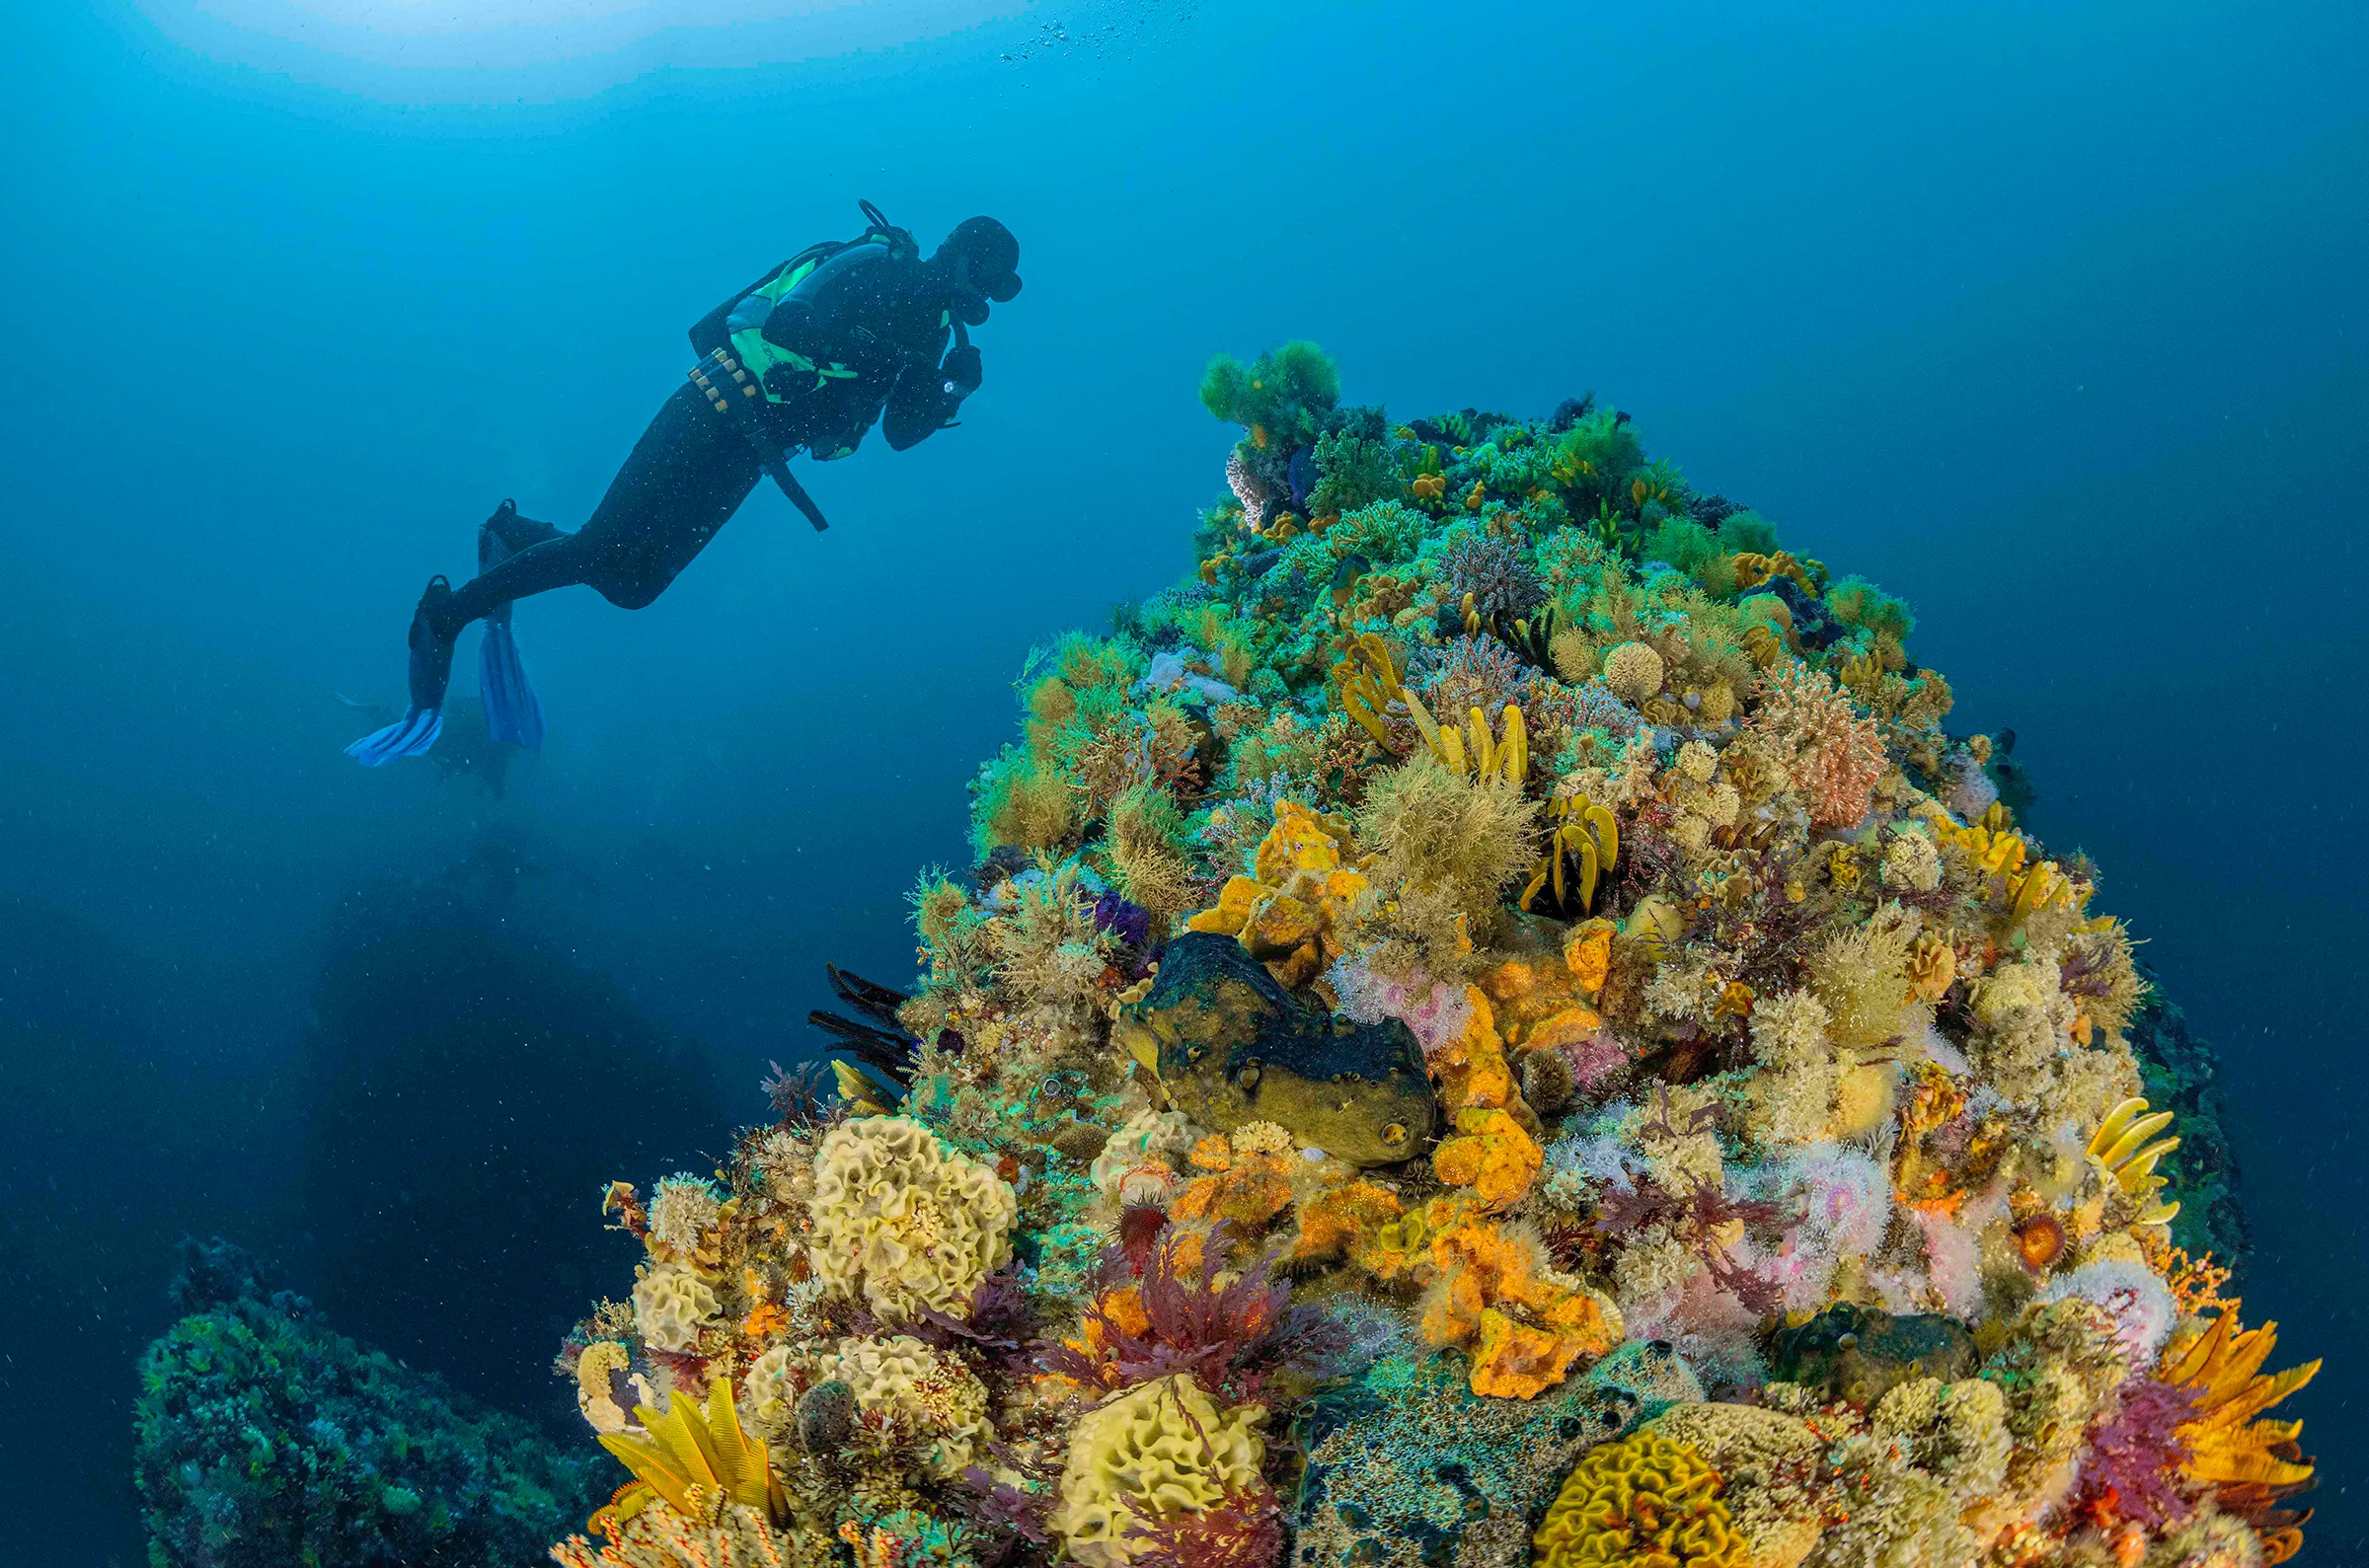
[804,360]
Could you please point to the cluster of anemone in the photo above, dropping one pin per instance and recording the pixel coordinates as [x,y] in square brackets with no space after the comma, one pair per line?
[1500,982]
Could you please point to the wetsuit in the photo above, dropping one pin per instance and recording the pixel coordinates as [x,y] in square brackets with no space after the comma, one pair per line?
[863,336]
[883,320]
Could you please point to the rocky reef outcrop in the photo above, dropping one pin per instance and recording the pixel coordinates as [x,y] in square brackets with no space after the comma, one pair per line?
[268,1440]
[1493,1023]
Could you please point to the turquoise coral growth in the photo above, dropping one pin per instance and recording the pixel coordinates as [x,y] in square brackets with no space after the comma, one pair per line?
[266,1439]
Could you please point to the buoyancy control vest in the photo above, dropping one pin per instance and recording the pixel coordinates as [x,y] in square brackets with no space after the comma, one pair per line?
[802,279]
[740,366]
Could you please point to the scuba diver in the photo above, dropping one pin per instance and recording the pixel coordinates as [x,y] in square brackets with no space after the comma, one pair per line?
[802,361]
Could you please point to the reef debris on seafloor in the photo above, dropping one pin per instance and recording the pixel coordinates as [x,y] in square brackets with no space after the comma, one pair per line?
[1491,1022]
[268,1440]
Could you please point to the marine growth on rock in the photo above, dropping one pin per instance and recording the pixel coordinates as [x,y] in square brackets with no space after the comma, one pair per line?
[1493,1023]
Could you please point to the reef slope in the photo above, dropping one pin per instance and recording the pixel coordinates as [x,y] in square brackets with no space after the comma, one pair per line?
[1493,1023]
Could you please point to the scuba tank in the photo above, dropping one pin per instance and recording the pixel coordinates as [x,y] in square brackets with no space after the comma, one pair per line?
[803,279]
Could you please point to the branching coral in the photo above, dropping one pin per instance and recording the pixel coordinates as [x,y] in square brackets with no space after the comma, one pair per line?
[1837,756]
[1488,577]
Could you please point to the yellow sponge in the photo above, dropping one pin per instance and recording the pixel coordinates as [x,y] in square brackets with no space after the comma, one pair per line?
[1645,1499]
[1160,1448]
[905,1221]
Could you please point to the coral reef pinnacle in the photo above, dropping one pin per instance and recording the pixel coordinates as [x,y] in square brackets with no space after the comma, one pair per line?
[1492,1023]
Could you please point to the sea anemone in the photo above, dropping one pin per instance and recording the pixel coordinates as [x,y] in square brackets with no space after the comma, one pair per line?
[2040,1240]
[2134,1294]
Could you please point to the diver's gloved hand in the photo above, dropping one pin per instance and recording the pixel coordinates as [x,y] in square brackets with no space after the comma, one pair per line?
[963,370]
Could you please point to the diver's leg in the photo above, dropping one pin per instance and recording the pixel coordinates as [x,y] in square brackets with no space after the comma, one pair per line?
[514,714]
[683,480]
[559,561]
[686,475]
[430,669]
[506,533]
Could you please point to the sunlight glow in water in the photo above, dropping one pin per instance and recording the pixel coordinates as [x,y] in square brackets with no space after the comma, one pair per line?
[327,40]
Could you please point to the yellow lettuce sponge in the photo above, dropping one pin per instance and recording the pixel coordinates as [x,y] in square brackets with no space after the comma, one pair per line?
[670,1304]
[1643,1499]
[905,1222]
[927,1399]
[1160,1448]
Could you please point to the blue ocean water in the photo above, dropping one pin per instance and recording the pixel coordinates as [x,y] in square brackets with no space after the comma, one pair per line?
[2046,317]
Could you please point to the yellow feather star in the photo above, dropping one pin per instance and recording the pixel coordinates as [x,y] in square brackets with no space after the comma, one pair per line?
[1589,835]
[697,1458]
[1470,749]
[860,1093]
[2253,1463]
[2121,1147]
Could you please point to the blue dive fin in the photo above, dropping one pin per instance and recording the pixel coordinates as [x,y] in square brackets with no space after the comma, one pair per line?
[514,714]
[408,736]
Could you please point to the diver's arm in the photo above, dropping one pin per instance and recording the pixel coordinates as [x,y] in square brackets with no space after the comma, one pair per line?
[927,396]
